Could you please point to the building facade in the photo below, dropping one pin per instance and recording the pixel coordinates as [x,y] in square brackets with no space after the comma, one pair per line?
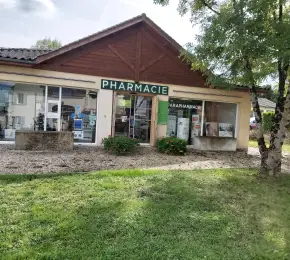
[126,80]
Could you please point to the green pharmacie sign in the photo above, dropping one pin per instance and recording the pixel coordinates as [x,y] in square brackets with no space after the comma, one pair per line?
[134,87]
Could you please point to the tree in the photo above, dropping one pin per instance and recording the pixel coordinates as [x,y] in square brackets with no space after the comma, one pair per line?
[244,42]
[47,44]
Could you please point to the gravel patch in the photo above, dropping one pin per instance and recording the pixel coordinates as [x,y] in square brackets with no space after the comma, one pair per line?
[84,159]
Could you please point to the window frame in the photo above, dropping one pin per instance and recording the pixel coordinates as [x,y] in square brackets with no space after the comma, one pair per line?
[13,99]
[203,113]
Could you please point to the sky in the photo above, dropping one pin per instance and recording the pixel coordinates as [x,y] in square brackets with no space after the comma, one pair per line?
[70,20]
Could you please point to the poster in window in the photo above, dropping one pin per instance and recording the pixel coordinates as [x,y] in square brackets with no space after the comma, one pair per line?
[78,124]
[196,129]
[195,119]
[226,130]
[183,128]
[211,129]
[171,125]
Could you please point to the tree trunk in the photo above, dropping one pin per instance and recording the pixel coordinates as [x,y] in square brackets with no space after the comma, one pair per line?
[258,117]
[278,136]
[260,133]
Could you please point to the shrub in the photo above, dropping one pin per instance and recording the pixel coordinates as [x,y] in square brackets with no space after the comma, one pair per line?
[120,144]
[268,118]
[171,145]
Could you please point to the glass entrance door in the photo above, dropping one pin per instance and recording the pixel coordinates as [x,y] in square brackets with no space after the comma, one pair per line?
[52,111]
[133,117]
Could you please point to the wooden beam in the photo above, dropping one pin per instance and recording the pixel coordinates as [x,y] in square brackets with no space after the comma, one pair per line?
[138,56]
[152,62]
[112,48]
[161,46]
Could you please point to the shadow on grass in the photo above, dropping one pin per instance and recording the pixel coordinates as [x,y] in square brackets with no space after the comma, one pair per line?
[19,178]
[221,214]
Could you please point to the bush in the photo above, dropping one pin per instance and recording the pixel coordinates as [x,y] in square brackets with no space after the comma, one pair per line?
[268,119]
[171,145]
[120,144]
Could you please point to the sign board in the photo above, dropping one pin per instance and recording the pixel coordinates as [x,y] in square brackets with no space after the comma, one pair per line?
[78,124]
[134,87]
[78,134]
[184,104]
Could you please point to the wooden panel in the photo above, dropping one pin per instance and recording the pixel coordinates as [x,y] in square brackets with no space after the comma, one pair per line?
[93,72]
[117,55]
[149,52]
[127,47]
[169,72]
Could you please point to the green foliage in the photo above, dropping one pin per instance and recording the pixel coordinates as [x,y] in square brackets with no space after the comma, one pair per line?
[233,32]
[171,145]
[47,44]
[268,119]
[120,145]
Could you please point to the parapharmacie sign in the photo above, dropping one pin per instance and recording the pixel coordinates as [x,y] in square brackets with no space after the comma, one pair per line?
[134,87]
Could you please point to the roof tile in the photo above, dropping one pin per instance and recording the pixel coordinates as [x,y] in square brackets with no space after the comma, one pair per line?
[21,53]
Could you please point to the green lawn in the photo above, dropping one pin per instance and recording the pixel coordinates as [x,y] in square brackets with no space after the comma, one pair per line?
[286,147]
[206,214]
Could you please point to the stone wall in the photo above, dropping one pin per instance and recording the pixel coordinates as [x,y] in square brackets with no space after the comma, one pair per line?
[44,140]
[210,143]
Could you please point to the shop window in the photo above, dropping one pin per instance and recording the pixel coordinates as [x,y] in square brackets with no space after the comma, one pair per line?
[25,117]
[184,119]
[219,119]
[78,113]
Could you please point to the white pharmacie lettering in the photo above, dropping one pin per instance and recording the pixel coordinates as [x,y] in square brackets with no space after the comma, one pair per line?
[164,90]
[159,91]
[130,86]
[113,84]
[146,89]
[153,91]
[105,83]
[138,87]
[121,86]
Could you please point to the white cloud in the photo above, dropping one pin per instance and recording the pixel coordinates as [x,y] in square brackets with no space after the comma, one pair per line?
[8,3]
[130,2]
[30,6]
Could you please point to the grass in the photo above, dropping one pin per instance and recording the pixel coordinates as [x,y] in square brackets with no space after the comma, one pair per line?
[205,214]
[286,147]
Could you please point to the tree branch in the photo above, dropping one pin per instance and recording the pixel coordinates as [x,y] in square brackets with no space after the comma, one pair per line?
[210,8]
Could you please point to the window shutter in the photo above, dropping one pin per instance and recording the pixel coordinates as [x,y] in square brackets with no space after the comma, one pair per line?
[162,112]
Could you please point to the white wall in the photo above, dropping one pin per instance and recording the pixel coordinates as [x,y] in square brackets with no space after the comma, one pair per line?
[104,114]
